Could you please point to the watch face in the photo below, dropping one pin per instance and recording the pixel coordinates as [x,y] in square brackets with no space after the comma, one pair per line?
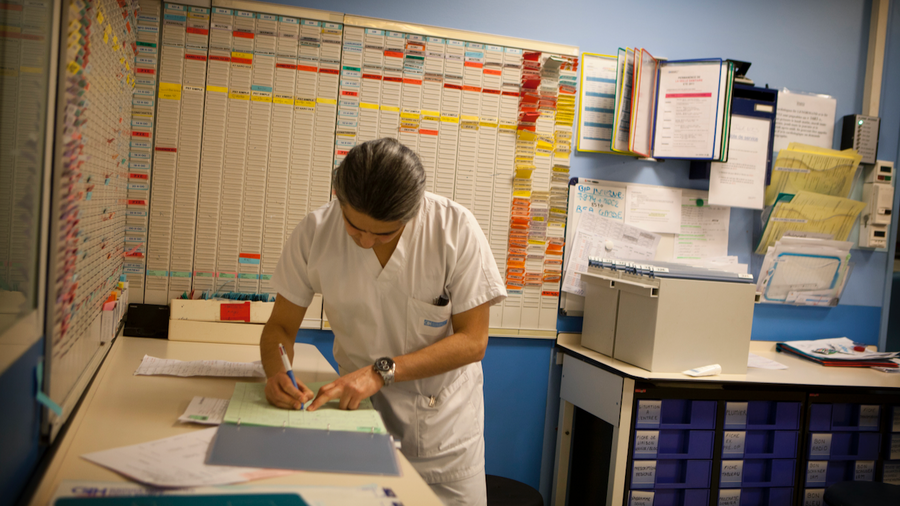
[382,364]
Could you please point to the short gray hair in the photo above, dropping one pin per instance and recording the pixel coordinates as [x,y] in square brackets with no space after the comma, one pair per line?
[382,179]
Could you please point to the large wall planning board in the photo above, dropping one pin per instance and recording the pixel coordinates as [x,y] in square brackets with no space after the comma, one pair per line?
[256,104]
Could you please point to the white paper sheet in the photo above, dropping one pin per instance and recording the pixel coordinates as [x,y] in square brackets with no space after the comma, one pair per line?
[653,209]
[205,410]
[758,362]
[176,461]
[704,230]
[598,236]
[741,182]
[804,118]
[153,366]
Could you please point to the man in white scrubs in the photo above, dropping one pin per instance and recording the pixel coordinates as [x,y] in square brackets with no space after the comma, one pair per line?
[407,279]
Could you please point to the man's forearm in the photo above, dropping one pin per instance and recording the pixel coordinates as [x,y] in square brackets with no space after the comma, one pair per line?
[273,335]
[450,353]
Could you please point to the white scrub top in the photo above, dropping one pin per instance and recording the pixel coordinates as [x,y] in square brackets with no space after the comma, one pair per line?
[391,311]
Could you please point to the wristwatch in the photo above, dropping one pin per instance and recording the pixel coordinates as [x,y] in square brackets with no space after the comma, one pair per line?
[385,366]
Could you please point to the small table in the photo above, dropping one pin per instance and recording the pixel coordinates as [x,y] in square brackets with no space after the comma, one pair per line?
[121,409]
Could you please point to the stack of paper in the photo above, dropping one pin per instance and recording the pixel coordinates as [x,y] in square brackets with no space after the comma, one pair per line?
[165,161]
[808,214]
[802,167]
[805,271]
[451,108]
[346,133]
[252,219]
[326,111]
[212,161]
[187,173]
[430,125]
[287,43]
[505,160]
[141,153]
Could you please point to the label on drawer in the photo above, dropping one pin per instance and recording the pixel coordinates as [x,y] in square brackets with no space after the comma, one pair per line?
[733,443]
[814,497]
[891,473]
[895,426]
[865,470]
[644,472]
[895,446]
[821,445]
[816,472]
[736,414]
[646,442]
[868,416]
[732,471]
[730,497]
[640,498]
[648,412]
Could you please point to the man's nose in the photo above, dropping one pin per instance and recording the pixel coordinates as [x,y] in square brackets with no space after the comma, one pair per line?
[367,240]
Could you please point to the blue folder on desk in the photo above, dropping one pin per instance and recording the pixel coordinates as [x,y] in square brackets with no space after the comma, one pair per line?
[304,450]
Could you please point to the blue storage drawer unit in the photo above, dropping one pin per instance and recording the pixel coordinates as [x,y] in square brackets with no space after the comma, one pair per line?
[649,474]
[823,473]
[844,446]
[676,414]
[762,415]
[673,444]
[757,473]
[670,497]
[759,444]
[844,417]
[776,496]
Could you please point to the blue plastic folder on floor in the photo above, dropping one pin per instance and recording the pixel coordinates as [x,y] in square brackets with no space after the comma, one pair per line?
[304,450]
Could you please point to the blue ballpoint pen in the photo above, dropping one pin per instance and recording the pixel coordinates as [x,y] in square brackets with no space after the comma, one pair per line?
[288,369]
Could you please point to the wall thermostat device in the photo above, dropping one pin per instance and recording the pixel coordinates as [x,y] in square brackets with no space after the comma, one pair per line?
[861,133]
[878,194]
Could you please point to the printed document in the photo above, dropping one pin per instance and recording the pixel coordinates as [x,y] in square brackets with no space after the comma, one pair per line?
[741,181]
[205,410]
[704,230]
[819,170]
[177,461]
[152,366]
[804,118]
[598,103]
[688,101]
[655,209]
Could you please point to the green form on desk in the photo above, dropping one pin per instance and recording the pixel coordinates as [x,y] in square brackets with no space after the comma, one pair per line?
[249,406]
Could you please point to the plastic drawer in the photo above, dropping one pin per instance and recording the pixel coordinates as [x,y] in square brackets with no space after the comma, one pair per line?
[893,422]
[844,446]
[762,415]
[649,474]
[822,473]
[776,496]
[813,497]
[892,446]
[844,417]
[670,497]
[673,444]
[757,473]
[760,444]
[675,414]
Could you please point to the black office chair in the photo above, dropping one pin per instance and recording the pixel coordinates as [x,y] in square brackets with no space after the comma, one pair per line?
[862,493]
[506,492]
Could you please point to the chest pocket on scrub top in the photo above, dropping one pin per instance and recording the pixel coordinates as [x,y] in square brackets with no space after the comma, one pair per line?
[425,324]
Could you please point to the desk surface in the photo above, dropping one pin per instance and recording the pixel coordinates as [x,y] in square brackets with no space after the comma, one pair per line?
[121,409]
[799,371]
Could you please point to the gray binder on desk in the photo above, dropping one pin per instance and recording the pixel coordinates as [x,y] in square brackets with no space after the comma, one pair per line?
[304,450]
